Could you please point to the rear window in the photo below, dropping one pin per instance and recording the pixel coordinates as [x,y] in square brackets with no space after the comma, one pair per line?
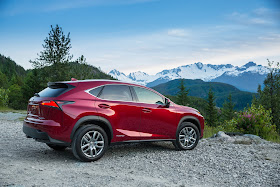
[52,92]
[55,90]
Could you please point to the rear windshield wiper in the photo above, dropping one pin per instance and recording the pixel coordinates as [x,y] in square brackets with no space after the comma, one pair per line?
[36,95]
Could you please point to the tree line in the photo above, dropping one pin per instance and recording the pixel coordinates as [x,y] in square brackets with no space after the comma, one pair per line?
[54,63]
[261,118]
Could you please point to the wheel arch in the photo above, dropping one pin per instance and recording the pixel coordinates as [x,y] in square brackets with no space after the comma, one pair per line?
[97,120]
[191,119]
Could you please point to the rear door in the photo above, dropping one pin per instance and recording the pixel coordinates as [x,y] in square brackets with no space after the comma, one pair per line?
[117,105]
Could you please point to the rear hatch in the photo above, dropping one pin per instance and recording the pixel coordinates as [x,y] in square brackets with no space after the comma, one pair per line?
[44,104]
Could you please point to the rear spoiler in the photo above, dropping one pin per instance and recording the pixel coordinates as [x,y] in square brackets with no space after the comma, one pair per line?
[59,85]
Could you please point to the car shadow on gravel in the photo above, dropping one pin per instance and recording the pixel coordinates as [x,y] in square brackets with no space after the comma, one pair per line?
[138,148]
[45,154]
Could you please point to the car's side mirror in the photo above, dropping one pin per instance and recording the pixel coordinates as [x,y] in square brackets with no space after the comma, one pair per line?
[166,103]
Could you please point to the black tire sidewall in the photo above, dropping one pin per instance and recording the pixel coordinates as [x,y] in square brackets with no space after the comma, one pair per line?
[183,125]
[77,139]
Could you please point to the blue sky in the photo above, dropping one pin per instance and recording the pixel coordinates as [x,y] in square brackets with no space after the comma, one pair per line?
[145,35]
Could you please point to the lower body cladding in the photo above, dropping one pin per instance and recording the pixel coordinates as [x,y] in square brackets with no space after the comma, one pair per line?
[40,136]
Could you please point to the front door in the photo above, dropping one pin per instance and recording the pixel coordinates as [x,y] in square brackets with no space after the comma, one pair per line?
[157,121]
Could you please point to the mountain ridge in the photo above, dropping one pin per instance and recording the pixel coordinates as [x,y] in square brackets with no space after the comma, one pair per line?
[200,88]
[206,72]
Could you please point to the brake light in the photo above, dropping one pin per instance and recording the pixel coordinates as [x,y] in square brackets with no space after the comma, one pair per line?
[50,104]
[56,104]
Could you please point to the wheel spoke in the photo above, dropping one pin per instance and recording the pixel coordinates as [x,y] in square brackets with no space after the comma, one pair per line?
[100,142]
[84,146]
[98,135]
[91,153]
[185,131]
[86,140]
[99,146]
[182,141]
[95,153]
[87,135]
[85,151]
[93,136]
[192,139]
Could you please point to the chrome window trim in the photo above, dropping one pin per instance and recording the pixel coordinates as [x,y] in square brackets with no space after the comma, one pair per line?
[88,92]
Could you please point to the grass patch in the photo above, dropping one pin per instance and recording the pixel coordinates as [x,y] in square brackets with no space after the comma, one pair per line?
[209,131]
[7,109]
[21,118]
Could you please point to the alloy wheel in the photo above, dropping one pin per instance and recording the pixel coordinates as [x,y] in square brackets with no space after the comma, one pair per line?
[187,137]
[92,144]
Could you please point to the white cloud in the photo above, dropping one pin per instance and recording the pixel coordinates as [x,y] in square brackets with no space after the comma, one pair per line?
[177,32]
[235,43]
[153,52]
[246,19]
[260,16]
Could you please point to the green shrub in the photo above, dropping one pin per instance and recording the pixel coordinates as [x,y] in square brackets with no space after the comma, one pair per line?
[16,98]
[253,120]
[256,120]
[229,126]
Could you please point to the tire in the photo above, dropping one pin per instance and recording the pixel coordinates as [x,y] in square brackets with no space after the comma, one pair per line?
[90,143]
[57,147]
[187,136]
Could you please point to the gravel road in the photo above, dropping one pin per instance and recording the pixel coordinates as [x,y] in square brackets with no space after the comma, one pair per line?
[25,162]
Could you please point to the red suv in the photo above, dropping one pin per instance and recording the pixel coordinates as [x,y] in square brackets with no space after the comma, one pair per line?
[90,115]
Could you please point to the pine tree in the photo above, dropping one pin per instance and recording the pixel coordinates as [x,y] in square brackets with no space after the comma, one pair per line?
[55,56]
[182,96]
[258,97]
[211,110]
[270,96]
[3,80]
[32,84]
[228,109]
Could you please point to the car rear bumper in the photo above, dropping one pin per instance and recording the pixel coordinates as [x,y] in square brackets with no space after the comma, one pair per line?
[40,136]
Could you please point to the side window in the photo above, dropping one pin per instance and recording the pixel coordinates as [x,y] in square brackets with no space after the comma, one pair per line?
[116,92]
[147,96]
[96,91]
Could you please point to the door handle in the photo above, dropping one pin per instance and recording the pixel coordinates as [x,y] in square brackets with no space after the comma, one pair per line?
[104,106]
[146,110]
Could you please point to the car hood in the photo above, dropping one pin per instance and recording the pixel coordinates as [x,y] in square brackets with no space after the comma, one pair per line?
[186,108]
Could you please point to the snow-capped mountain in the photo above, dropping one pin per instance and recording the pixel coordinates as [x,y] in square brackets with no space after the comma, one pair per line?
[250,73]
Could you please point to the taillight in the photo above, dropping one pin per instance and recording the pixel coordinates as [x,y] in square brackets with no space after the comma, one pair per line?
[56,104]
[60,103]
[50,104]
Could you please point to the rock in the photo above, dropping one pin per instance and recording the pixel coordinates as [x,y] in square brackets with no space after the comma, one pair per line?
[224,137]
[256,139]
[242,140]
[252,136]
[222,134]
